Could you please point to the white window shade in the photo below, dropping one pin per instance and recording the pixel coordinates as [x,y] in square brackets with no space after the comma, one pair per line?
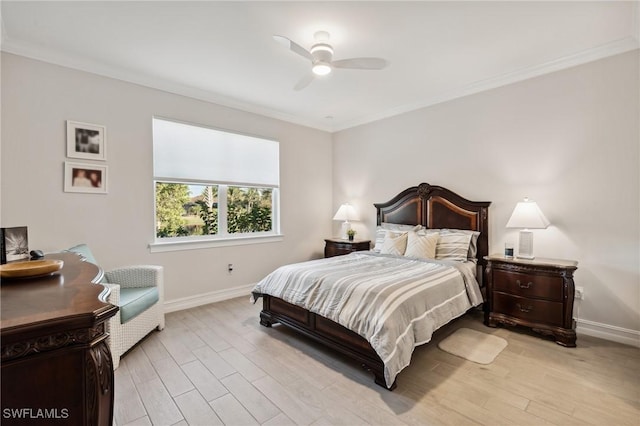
[183,151]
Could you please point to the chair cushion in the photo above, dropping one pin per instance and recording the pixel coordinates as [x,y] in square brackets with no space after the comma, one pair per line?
[136,300]
[84,251]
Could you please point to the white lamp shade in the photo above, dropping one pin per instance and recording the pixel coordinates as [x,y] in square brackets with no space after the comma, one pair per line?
[346,212]
[527,215]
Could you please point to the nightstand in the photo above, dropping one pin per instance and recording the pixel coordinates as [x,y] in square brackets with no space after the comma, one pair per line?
[338,246]
[534,293]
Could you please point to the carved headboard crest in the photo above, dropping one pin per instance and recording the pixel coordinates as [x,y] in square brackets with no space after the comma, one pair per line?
[424,190]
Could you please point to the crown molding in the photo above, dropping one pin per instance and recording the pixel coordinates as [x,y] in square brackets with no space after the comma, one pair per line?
[610,49]
[31,51]
[46,55]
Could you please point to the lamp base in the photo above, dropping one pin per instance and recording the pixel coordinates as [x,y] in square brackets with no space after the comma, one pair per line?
[343,230]
[525,245]
[525,257]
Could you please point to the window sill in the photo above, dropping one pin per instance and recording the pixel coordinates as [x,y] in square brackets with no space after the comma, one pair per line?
[165,246]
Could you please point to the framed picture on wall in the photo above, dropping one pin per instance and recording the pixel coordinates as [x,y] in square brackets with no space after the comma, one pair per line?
[88,141]
[85,177]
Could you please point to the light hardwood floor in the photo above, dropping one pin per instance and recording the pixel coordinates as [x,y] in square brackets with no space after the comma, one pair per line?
[216,365]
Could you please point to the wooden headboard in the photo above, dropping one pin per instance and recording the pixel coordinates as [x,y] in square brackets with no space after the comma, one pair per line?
[437,207]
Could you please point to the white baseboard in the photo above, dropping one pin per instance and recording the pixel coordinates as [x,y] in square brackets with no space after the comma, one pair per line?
[608,332]
[206,298]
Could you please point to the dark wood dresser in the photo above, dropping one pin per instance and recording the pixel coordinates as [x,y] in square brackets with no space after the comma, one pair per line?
[338,246]
[56,365]
[534,293]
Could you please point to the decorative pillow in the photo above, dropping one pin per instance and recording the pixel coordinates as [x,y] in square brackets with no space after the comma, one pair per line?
[422,244]
[473,244]
[453,246]
[382,230]
[394,243]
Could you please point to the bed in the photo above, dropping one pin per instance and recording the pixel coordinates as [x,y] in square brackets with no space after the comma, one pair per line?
[359,336]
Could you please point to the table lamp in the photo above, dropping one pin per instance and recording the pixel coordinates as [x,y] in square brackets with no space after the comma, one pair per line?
[344,213]
[527,215]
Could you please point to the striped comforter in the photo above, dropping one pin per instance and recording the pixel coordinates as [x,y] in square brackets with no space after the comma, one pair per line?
[394,302]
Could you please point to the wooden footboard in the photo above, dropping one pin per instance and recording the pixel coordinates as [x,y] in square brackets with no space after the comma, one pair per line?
[330,333]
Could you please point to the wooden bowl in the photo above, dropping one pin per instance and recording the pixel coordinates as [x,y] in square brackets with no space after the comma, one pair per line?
[30,269]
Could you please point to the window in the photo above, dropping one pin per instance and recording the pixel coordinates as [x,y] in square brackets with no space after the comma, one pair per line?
[212,185]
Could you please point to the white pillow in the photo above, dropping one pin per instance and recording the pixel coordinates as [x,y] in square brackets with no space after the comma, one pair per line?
[394,243]
[453,246]
[382,230]
[422,245]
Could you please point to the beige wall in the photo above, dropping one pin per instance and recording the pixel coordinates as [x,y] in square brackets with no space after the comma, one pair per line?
[568,140]
[37,99]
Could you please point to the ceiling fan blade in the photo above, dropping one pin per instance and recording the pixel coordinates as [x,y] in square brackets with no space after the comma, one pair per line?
[361,63]
[291,45]
[304,82]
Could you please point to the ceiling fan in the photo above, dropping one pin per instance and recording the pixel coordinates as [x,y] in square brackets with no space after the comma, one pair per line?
[321,57]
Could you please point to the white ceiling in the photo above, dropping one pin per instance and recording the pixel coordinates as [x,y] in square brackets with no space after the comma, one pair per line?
[224,52]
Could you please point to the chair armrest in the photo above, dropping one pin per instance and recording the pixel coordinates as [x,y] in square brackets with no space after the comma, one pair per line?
[136,276]
[114,293]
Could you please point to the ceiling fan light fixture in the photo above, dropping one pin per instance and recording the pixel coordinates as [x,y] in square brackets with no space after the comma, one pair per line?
[322,54]
[321,57]
[321,36]
[321,68]
[321,47]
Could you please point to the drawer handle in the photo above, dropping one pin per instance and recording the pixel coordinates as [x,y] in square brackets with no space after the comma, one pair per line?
[525,309]
[527,285]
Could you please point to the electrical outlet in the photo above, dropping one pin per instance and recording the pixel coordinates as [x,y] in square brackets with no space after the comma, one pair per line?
[579,294]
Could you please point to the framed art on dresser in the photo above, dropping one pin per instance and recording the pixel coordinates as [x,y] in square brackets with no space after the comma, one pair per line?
[14,244]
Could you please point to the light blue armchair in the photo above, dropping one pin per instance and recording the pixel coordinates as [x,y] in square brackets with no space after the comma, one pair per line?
[139,293]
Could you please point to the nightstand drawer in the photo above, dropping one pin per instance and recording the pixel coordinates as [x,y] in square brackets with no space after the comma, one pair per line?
[338,247]
[533,310]
[528,285]
[343,247]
